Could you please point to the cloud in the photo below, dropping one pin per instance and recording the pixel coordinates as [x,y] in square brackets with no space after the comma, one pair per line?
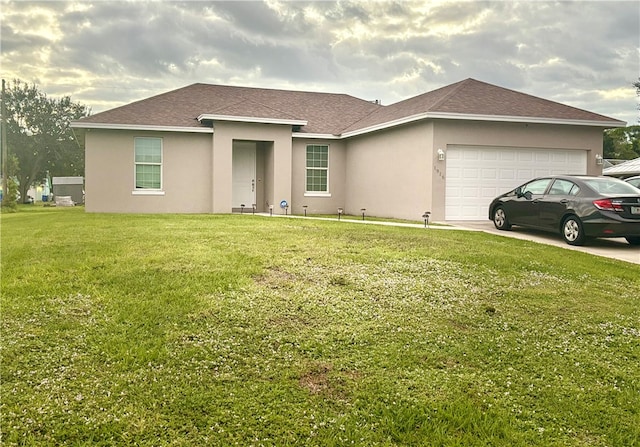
[112,52]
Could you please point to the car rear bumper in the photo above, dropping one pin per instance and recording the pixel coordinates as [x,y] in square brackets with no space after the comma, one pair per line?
[609,228]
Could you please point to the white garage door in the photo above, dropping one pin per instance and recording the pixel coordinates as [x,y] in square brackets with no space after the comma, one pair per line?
[476,175]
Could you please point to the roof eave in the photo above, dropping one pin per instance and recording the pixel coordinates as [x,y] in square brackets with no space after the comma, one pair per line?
[144,127]
[251,119]
[385,125]
[526,119]
[471,117]
[316,136]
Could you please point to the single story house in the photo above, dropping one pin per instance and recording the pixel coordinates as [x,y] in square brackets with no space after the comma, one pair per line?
[216,149]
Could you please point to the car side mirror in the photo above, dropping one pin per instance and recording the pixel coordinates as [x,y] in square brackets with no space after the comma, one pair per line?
[527,194]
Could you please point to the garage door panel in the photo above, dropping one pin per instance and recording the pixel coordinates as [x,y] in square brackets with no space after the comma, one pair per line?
[541,172]
[559,157]
[542,157]
[470,155]
[488,173]
[505,156]
[470,193]
[470,173]
[507,174]
[475,175]
[490,155]
[454,173]
[525,173]
[527,156]
[489,193]
[470,211]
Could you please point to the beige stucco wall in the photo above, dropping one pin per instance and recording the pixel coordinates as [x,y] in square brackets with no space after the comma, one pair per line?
[318,203]
[390,172]
[110,171]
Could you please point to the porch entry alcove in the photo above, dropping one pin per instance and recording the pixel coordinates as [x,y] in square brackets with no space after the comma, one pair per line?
[248,174]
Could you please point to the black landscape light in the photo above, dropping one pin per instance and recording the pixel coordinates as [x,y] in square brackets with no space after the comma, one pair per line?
[425,216]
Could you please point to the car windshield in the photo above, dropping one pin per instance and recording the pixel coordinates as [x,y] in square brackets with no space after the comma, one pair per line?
[611,186]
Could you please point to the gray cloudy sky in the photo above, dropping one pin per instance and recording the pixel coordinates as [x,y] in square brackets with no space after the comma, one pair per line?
[108,53]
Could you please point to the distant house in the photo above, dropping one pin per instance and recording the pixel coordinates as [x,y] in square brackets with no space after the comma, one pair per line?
[212,148]
[625,169]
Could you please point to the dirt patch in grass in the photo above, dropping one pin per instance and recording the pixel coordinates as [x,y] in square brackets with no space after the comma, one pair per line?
[324,379]
[275,278]
[316,378]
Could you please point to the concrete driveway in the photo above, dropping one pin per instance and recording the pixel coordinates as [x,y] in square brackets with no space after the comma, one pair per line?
[617,248]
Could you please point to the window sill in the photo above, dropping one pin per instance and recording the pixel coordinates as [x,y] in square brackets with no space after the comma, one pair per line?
[317,194]
[147,192]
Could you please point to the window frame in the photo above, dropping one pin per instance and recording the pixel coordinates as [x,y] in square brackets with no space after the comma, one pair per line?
[307,168]
[555,188]
[525,188]
[137,190]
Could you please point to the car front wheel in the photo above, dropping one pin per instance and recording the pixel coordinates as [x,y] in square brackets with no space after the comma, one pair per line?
[572,231]
[500,219]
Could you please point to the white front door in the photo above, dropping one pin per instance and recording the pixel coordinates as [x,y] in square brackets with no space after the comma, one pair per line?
[244,174]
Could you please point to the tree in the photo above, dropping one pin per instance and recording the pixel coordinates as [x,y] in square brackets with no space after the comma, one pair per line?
[622,143]
[39,135]
[10,196]
[637,86]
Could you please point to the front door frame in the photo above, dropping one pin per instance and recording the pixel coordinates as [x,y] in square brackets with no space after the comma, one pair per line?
[244,182]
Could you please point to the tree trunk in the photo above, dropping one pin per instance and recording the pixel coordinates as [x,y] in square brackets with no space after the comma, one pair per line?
[26,181]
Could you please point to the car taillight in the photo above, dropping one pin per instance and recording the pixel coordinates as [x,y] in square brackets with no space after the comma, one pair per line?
[608,205]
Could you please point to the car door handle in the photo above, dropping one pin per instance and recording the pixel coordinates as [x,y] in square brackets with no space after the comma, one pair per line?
[564,201]
[535,201]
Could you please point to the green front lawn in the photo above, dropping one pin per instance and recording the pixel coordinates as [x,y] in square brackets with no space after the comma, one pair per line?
[247,330]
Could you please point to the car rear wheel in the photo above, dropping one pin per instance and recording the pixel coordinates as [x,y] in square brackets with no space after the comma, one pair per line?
[500,219]
[633,240]
[572,231]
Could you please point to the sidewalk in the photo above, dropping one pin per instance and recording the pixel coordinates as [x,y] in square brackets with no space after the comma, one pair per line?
[431,225]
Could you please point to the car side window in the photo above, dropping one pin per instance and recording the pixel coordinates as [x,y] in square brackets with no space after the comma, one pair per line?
[536,186]
[575,189]
[562,187]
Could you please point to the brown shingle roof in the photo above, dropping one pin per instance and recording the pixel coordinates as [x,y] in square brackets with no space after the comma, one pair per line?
[328,113]
[471,97]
